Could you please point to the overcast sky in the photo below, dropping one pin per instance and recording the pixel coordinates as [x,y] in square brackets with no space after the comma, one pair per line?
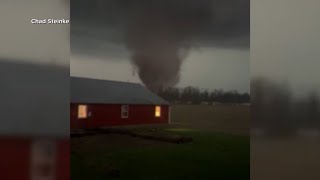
[219,58]
[285,42]
[207,68]
[284,46]
[23,41]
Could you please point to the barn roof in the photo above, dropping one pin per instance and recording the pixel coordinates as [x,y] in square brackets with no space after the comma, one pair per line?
[85,90]
[34,99]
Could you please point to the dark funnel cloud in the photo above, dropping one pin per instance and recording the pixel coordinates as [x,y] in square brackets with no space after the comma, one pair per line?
[158,34]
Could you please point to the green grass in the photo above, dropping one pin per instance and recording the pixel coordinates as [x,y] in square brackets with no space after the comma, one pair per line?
[211,156]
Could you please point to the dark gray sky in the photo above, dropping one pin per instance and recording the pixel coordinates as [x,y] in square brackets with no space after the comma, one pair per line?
[207,68]
[285,42]
[217,33]
[284,46]
[22,40]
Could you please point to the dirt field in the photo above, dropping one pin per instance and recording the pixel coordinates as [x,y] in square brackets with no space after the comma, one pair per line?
[285,159]
[221,118]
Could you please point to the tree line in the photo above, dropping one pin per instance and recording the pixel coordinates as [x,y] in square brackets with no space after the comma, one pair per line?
[275,109]
[193,95]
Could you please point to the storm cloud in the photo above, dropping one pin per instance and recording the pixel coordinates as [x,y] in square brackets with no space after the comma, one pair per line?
[158,34]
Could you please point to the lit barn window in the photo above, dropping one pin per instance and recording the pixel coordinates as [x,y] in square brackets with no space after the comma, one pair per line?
[82,111]
[158,111]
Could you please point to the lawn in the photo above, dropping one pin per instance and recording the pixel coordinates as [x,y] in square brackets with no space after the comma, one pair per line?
[212,154]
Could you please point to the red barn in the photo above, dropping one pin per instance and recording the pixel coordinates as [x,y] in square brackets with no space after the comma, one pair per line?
[98,103]
[34,129]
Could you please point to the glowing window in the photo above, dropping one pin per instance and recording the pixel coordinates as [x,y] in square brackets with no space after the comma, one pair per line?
[158,111]
[82,111]
[124,111]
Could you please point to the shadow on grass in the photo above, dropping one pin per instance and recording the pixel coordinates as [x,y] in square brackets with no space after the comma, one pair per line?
[209,156]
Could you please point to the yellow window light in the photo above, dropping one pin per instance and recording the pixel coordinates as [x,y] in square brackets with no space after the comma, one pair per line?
[158,111]
[82,111]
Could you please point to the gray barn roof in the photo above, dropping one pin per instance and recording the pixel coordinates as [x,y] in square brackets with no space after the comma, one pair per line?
[93,91]
[34,99]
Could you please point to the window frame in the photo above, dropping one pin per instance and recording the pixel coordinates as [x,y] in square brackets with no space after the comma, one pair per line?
[43,151]
[126,110]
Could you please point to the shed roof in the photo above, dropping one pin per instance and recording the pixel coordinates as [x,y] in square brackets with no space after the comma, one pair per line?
[34,99]
[94,91]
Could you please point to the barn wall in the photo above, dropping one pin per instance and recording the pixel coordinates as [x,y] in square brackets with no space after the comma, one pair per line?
[110,115]
[15,158]
[63,160]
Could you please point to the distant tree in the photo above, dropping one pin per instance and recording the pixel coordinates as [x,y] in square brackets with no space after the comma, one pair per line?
[186,94]
[313,110]
[244,98]
[204,96]
[170,94]
[195,95]
[271,107]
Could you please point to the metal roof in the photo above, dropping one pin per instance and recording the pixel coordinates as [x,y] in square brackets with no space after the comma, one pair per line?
[94,91]
[34,99]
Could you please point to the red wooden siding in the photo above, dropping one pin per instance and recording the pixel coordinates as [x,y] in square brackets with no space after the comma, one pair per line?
[15,157]
[63,160]
[110,115]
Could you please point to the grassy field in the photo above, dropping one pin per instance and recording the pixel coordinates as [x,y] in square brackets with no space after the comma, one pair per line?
[220,150]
